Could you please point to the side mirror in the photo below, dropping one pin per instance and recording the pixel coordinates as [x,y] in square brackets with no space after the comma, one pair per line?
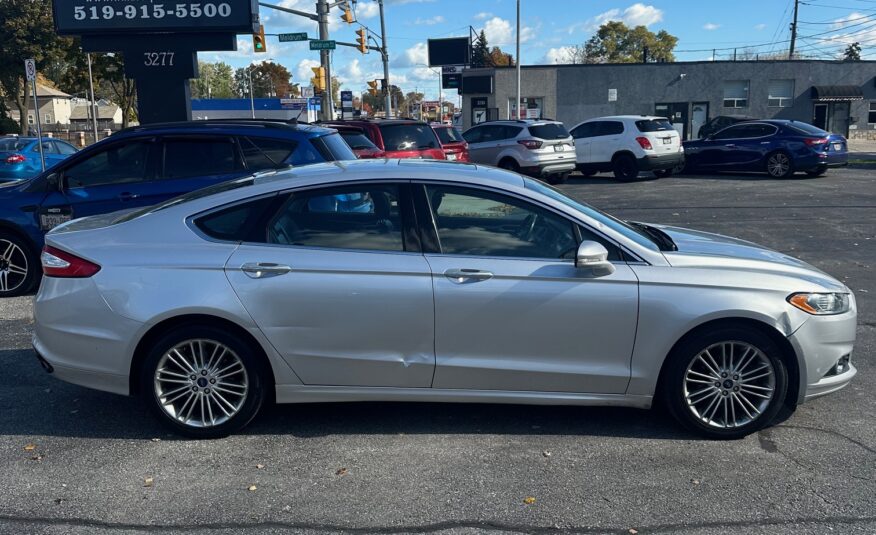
[593,256]
[53,182]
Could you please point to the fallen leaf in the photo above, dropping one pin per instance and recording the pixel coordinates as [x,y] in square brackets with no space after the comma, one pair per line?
[695,481]
[156,440]
[147,482]
[633,531]
[260,466]
[251,488]
[529,500]
[341,472]
[30,447]
[546,453]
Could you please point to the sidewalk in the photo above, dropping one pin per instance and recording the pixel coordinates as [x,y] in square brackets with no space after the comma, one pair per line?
[862,149]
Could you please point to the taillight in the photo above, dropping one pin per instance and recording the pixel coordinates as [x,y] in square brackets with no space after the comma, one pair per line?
[644,142]
[530,144]
[816,141]
[57,263]
[16,158]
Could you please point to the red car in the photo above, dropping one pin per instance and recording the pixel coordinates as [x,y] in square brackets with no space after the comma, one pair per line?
[359,142]
[398,138]
[451,140]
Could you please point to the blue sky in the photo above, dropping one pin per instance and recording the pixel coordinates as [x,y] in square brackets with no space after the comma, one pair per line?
[549,27]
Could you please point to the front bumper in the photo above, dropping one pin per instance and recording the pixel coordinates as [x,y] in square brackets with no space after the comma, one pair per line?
[652,162]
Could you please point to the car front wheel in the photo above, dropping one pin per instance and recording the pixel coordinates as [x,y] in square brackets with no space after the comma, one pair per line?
[19,268]
[726,383]
[203,382]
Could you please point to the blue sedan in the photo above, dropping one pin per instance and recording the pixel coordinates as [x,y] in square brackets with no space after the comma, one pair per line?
[777,147]
[20,156]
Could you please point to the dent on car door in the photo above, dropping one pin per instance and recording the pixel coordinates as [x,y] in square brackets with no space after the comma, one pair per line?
[512,310]
[335,279]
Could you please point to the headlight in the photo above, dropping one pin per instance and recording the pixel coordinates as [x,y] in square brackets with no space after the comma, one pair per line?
[821,304]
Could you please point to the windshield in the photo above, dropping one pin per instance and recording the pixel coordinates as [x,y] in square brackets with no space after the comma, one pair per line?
[194,195]
[449,135]
[654,125]
[599,216]
[408,136]
[358,141]
[549,131]
[13,144]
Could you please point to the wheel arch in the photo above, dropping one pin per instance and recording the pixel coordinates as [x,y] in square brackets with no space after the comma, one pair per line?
[11,228]
[622,152]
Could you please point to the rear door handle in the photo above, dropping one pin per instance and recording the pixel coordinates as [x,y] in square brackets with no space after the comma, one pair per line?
[262,270]
[730,145]
[462,276]
[127,196]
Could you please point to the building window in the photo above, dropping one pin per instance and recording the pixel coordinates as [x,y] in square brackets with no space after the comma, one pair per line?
[871,117]
[781,93]
[532,108]
[736,93]
[30,119]
[48,118]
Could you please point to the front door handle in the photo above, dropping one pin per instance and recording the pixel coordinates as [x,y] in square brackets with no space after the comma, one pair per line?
[262,270]
[462,276]
[730,145]
[127,196]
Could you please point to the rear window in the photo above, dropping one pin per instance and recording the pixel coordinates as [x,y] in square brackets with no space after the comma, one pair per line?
[13,144]
[653,125]
[408,137]
[549,131]
[449,135]
[806,129]
[358,141]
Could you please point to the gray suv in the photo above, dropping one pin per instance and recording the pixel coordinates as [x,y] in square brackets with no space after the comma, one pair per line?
[539,148]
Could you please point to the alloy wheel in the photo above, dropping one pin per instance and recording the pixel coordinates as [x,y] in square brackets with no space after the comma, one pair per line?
[729,384]
[13,266]
[779,165]
[201,383]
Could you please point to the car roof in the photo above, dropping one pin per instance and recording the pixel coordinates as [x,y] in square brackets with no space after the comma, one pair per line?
[626,118]
[230,125]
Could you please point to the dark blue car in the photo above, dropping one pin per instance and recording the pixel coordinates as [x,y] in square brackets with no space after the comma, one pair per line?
[777,147]
[20,156]
[141,166]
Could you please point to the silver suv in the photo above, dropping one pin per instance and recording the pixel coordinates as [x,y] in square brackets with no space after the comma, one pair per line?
[539,148]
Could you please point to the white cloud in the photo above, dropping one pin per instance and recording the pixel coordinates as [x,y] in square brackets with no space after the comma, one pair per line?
[500,32]
[437,19]
[483,15]
[303,74]
[417,54]
[555,56]
[637,14]
[710,26]
[367,10]
[760,26]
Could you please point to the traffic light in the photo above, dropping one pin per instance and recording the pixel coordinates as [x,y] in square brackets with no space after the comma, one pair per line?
[318,79]
[362,40]
[258,40]
[372,88]
[348,16]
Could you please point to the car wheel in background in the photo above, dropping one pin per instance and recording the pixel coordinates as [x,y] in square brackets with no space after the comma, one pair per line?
[779,165]
[663,173]
[203,382]
[625,167]
[19,267]
[586,172]
[725,383]
[559,178]
[818,171]
[510,165]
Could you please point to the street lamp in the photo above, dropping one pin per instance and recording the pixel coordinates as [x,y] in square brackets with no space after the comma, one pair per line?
[440,92]
[251,98]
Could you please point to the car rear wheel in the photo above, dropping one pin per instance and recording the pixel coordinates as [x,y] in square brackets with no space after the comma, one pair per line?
[19,268]
[509,165]
[559,178]
[726,383]
[625,167]
[779,165]
[203,382]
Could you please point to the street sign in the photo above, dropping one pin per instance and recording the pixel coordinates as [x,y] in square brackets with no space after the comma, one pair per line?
[30,69]
[288,37]
[317,44]
[347,104]
[452,69]
[306,91]
[81,17]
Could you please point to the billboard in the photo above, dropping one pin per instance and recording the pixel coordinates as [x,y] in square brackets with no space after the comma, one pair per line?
[83,17]
[450,51]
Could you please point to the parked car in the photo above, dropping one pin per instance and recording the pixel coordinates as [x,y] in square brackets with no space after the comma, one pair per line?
[721,122]
[455,147]
[20,156]
[141,166]
[362,147]
[538,148]
[777,147]
[210,304]
[627,145]
[398,138]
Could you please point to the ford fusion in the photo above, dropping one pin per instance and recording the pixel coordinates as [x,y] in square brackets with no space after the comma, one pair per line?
[408,280]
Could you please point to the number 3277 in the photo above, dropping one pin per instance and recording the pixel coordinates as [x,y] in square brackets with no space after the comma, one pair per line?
[158,59]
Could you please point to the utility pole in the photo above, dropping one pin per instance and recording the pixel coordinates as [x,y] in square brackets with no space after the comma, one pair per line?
[325,59]
[385,55]
[794,30]
[93,104]
[251,98]
[517,106]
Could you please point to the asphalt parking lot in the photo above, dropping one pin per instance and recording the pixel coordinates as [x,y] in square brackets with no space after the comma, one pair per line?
[100,463]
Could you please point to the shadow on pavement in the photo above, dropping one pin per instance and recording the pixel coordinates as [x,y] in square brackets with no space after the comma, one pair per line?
[36,404]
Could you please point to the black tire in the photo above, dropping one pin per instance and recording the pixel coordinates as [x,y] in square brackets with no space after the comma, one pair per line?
[560,178]
[817,172]
[674,384]
[663,173]
[779,165]
[16,254]
[248,405]
[586,171]
[509,165]
[625,167]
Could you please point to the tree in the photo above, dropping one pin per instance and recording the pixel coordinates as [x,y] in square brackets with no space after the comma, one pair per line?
[484,56]
[27,32]
[498,58]
[268,79]
[215,80]
[852,52]
[124,90]
[615,42]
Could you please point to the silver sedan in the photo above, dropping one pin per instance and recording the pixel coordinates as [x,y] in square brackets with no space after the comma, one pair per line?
[425,281]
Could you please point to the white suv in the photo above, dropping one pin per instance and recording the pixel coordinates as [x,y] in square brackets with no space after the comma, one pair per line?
[627,145]
[539,148]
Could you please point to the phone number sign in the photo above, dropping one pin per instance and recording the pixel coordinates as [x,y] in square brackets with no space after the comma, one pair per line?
[82,17]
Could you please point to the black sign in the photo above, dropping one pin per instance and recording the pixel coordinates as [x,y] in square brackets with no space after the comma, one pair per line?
[451,51]
[477,84]
[82,17]
[451,81]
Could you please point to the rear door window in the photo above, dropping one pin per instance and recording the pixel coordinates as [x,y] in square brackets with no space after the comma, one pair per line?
[611,128]
[474,135]
[549,131]
[64,148]
[584,130]
[265,153]
[408,136]
[120,163]
[234,223]
[186,157]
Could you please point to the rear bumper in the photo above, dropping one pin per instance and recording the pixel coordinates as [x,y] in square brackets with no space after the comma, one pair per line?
[550,168]
[652,162]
